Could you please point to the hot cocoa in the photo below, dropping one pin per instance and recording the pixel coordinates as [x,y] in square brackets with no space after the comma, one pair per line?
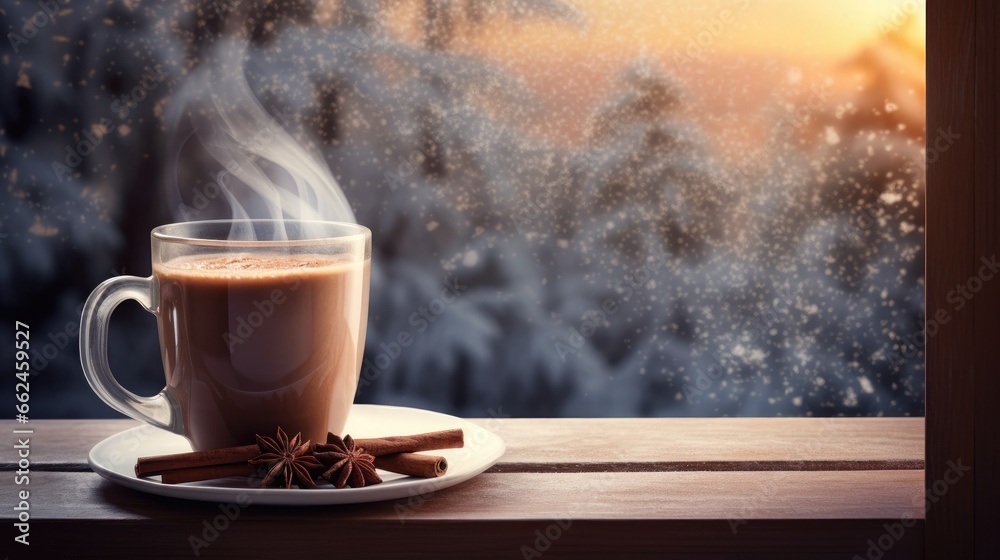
[254,341]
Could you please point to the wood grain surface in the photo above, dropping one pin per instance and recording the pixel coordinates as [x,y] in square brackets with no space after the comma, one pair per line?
[595,443]
[986,387]
[952,259]
[683,488]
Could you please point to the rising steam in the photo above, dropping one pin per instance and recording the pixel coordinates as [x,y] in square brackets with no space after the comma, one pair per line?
[266,173]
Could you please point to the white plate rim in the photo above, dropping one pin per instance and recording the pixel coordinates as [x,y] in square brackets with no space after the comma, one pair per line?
[488,449]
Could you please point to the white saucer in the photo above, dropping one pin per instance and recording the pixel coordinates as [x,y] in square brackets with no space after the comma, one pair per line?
[115,457]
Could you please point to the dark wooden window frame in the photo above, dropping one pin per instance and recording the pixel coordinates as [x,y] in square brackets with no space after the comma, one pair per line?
[963,227]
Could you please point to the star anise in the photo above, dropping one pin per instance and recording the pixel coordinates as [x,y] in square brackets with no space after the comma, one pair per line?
[346,463]
[290,458]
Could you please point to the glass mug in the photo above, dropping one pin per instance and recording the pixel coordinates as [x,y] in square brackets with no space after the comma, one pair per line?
[254,334]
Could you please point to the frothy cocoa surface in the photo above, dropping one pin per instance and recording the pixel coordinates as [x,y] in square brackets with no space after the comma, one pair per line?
[258,265]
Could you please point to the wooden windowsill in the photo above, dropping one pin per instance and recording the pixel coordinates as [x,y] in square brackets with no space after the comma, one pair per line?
[610,488]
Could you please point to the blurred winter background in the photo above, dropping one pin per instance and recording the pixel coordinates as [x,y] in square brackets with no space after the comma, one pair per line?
[652,208]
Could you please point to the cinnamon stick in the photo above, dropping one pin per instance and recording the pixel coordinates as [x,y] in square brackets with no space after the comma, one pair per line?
[393,453]
[413,464]
[150,466]
[445,439]
[194,474]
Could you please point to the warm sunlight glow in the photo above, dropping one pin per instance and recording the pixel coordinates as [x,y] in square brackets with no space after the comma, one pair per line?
[761,27]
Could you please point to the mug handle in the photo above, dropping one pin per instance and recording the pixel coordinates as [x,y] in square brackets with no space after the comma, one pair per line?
[160,411]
